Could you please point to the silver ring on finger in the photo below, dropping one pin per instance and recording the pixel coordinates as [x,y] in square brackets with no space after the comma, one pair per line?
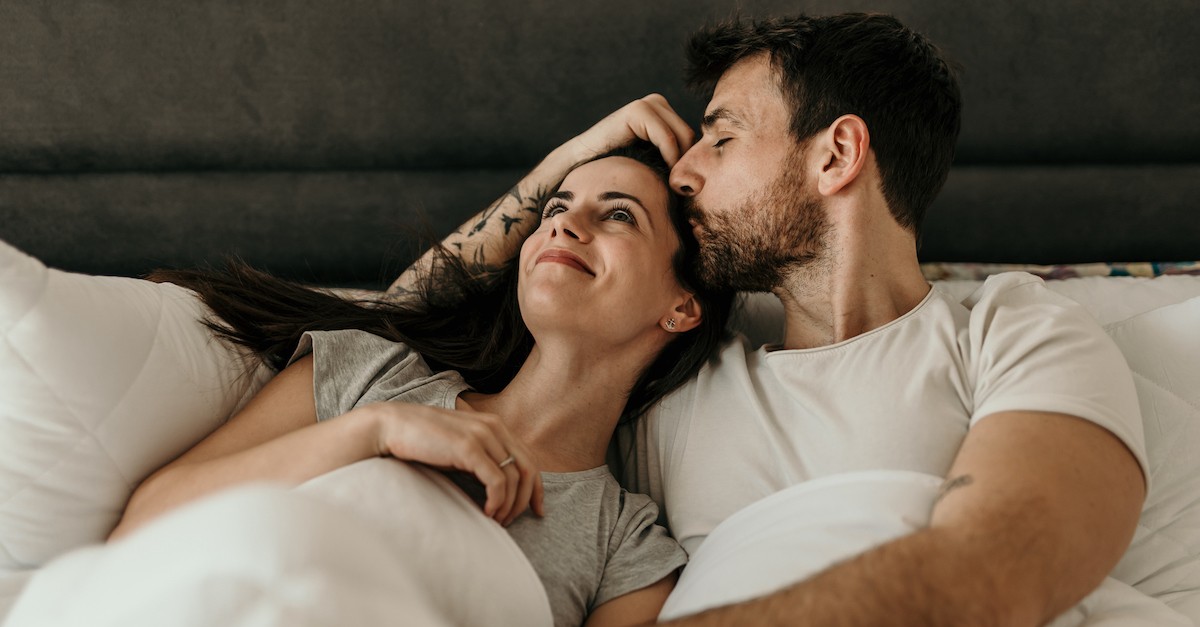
[508,460]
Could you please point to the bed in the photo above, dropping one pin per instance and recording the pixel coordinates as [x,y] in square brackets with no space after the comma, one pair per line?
[326,142]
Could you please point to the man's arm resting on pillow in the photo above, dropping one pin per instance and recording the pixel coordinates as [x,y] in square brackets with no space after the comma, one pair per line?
[492,237]
[1037,510]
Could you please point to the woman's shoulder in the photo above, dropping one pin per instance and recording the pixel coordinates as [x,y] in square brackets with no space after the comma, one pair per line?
[353,368]
[349,340]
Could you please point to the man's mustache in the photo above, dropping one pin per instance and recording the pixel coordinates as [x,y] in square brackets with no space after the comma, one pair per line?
[691,212]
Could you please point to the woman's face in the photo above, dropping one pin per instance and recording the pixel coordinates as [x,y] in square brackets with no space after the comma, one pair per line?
[600,263]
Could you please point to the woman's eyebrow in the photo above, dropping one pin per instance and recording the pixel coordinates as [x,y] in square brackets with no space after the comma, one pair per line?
[620,195]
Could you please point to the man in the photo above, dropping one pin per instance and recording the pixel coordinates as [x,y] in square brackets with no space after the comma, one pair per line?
[823,143]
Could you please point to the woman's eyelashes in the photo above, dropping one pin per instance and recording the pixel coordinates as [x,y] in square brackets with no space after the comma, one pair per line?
[622,214]
[617,213]
[552,209]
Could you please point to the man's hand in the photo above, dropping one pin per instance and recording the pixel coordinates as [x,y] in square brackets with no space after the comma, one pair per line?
[651,119]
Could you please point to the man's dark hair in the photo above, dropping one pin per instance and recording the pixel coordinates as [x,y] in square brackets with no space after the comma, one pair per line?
[869,65]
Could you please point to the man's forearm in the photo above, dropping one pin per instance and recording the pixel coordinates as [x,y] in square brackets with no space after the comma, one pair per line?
[927,579]
[493,236]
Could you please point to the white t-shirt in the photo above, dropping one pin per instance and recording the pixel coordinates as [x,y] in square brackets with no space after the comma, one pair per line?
[899,397]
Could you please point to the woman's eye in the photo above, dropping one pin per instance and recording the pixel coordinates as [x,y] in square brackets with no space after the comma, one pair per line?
[552,211]
[721,142]
[622,215]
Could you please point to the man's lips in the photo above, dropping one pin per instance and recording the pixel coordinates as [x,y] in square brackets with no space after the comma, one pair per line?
[566,257]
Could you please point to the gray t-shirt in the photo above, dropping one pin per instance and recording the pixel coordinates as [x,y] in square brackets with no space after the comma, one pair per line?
[596,542]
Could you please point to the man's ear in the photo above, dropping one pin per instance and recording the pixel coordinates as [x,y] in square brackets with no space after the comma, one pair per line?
[845,144]
[684,317]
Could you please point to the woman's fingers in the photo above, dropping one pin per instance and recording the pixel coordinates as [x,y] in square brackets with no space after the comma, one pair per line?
[525,490]
[473,442]
[511,451]
[488,434]
[511,507]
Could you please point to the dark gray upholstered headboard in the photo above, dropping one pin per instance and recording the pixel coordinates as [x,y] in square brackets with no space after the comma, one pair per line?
[313,137]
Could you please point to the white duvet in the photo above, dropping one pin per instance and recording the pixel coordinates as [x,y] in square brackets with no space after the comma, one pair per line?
[794,534]
[374,543]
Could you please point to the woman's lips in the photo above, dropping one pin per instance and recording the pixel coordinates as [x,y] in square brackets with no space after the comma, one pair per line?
[567,258]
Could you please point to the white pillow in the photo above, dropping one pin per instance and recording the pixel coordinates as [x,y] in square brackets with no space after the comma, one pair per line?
[102,380]
[1162,348]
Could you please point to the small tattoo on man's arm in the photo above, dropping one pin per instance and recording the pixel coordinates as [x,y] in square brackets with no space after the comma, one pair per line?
[509,222]
[515,193]
[960,481]
[533,204]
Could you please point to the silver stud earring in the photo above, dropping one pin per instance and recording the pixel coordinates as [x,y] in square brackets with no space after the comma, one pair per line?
[670,324]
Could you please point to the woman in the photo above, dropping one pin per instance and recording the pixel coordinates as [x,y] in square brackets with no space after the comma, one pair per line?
[596,320]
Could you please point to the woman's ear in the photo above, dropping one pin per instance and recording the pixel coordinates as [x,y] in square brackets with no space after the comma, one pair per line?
[685,317]
[846,143]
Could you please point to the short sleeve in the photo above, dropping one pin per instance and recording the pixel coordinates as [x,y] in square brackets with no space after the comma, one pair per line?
[353,368]
[1035,350]
[640,551]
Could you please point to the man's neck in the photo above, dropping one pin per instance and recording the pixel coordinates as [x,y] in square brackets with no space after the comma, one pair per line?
[863,282]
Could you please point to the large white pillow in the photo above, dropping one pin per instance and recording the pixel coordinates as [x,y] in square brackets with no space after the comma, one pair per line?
[1162,348]
[102,380]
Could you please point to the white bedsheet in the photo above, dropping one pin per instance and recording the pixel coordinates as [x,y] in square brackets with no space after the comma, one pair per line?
[793,534]
[375,543]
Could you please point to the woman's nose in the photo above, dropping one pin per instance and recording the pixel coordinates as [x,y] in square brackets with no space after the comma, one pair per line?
[569,227]
[560,229]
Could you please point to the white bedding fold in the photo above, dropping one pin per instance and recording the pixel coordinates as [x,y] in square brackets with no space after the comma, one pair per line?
[374,543]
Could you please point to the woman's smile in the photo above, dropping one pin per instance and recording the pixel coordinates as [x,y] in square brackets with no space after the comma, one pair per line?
[566,257]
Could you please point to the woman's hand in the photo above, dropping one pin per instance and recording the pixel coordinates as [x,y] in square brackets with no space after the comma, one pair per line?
[650,118]
[469,441]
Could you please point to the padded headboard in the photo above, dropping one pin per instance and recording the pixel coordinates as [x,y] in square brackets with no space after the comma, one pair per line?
[318,138]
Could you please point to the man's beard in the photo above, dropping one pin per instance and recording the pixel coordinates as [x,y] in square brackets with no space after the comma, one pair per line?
[751,248]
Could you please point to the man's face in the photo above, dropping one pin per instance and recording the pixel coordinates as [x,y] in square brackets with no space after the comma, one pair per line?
[744,185]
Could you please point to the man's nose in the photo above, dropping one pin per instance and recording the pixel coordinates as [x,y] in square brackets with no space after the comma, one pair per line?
[684,178]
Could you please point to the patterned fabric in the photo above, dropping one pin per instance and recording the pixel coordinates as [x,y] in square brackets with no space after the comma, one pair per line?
[980,271]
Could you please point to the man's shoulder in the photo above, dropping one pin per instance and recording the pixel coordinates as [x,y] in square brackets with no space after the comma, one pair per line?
[734,361]
[1024,300]
[737,355]
[1013,288]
